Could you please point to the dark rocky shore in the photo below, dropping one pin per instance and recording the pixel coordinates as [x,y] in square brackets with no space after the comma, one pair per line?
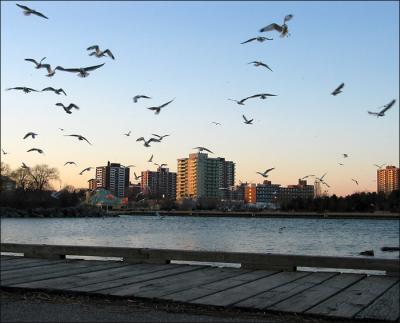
[67,212]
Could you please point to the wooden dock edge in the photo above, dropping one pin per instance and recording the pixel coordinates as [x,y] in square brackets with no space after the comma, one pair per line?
[263,261]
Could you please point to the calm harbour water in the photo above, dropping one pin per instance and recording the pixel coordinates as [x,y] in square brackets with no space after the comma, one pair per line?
[331,237]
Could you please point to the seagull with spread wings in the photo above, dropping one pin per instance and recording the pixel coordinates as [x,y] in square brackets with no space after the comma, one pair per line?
[385,108]
[136,177]
[262,96]
[146,143]
[379,166]
[38,65]
[240,102]
[345,155]
[355,181]
[4,152]
[150,159]
[32,134]
[246,121]
[321,180]
[259,63]
[159,137]
[158,109]
[140,96]
[28,11]
[307,176]
[100,53]
[70,163]
[24,166]
[68,108]
[259,39]
[127,134]
[161,166]
[79,138]
[85,170]
[338,90]
[56,91]
[50,71]
[203,149]
[82,71]
[40,151]
[22,88]
[216,123]
[265,174]
[282,29]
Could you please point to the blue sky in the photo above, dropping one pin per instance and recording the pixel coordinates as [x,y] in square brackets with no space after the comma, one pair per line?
[191,51]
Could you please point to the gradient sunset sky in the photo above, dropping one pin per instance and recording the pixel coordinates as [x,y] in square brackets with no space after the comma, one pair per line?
[191,51]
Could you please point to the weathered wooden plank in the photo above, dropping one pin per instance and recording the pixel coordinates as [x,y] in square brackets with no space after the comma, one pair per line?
[314,295]
[29,263]
[100,276]
[239,293]
[158,287]
[353,299]
[253,259]
[283,292]
[7,258]
[223,284]
[64,271]
[109,286]
[386,307]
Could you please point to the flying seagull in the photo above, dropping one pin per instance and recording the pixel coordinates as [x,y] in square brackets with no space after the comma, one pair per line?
[85,170]
[62,129]
[58,92]
[4,152]
[307,176]
[137,97]
[68,108]
[161,166]
[247,121]
[282,29]
[158,109]
[355,181]
[25,89]
[79,137]
[341,164]
[128,133]
[136,177]
[24,166]
[70,163]
[28,11]
[385,108]
[150,159]
[379,166]
[338,89]
[203,149]
[38,65]
[321,180]
[159,137]
[50,71]
[259,39]
[99,53]
[259,63]
[147,143]
[130,166]
[265,173]
[216,123]
[262,96]
[82,71]
[32,134]
[40,151]
[345,155]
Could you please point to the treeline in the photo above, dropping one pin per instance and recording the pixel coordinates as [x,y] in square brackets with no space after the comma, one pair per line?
[358,202]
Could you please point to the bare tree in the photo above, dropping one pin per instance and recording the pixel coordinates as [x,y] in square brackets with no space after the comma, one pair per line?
[22,177]
[5,169]
[42,175]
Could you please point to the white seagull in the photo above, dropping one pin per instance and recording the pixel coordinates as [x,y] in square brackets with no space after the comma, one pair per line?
[379,166]
[32,134]
[158,109]
[147,143]
[203,149]
[98,53]
[22,88]
[246,121]
[82,71]
[136,177]
[127,134]
[85,170]
[385,108]
[150,159]
[79,138]
[56,91]
[28,11]
[68,108]
[355,181]
[259,39]
[265,173]
[38,65]
[70,163]
[259,63]
[139,96]
[282,29]
[40,151]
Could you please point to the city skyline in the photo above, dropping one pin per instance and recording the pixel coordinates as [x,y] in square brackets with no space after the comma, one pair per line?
[167,51]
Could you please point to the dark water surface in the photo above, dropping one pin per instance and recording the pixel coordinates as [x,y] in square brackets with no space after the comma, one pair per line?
[331,237]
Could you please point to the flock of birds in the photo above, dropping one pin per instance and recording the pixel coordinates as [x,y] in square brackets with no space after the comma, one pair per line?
[95,50]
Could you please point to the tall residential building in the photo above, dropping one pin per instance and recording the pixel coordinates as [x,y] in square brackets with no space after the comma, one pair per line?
[317,189]
[202,177]
[388,179]
[114,178]
[160,184]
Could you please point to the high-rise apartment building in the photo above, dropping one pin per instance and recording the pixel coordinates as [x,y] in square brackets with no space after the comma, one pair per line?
[202,177]
[114,178]
[388,179]
[159,184]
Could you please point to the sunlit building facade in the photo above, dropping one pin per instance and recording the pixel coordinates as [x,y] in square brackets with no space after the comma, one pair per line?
[114,178]
[159,184]
[388,179]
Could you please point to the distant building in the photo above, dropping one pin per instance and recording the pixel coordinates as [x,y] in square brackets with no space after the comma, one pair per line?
[317,189]
[202,177]
[92,184]
[388,179]
[114,178]
[300,190]
[7,184]
[159,184]
[250,194]
[267,192]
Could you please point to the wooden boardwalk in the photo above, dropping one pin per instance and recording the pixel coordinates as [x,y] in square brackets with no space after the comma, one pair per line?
[317,293]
